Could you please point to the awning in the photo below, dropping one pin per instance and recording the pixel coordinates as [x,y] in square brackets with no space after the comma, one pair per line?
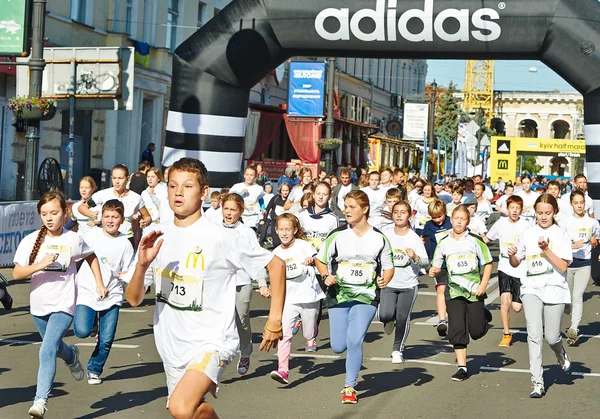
[355,123]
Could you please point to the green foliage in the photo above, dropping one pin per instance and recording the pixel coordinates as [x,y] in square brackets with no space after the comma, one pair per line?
[448,115]
[530,165]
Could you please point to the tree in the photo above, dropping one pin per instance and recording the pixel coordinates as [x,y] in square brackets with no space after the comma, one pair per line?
[530,165]
[448,114]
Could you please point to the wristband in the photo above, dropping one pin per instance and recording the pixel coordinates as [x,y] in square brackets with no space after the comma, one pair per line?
[273,331]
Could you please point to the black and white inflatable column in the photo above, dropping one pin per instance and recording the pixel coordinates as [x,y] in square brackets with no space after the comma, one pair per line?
[206,121]
[591,108]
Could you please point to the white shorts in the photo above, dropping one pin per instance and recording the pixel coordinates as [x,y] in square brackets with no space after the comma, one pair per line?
[211,364]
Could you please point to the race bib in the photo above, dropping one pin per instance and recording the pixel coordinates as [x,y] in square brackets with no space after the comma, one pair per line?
[251,209]
[423,220]
[441,234]
[279,210]
[401,258]
[181,292]
[538,265]
[505,245]
[315,242]
[356,273]
[63,256]
[294,267]
[577,234]
[461,264]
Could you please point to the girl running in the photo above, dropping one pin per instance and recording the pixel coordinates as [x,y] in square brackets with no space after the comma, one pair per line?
[297,192]
[582,229]
[356,262]
[318,221]
[150,198]
[132,202]
[464,254]
[544,288]
[392,196]
[87,186]
[398,297]
[252,195]
[233,207]
[48,256]
[115,254]
[421,211]
[303,292]
[274,209]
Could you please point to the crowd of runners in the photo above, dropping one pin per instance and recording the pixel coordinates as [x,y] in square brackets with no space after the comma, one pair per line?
[311,243]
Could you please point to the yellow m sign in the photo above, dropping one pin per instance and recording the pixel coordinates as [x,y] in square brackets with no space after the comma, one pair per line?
[194,257]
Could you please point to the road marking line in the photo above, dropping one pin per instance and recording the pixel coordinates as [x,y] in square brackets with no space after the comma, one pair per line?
[93,345]
[415,361]
[427,293]
[131,310]
[314,356]
[582,374]
[524,332]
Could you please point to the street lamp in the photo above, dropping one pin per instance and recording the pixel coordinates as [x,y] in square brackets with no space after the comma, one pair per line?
[432,126]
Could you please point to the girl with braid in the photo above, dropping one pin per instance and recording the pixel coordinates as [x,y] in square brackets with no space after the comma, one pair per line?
[48,257]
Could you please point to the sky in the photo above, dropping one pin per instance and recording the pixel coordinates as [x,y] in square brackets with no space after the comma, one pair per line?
[510,75]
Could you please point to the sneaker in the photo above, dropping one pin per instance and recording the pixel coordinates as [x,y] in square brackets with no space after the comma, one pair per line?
[460,375]
[6,299]
[94,379]
[389,327]
[296,327]
[76,368]
[506,340]
[311,345]
[538,391]
[243,365]
[572,336]
[442,327]
[280,376]
[488,315]
[397,357]
[564,361]
[349,395]
[38,410]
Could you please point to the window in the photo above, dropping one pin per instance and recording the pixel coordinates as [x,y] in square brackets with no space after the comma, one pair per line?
[172,16]
[128,15]
[81,11]
[201,13]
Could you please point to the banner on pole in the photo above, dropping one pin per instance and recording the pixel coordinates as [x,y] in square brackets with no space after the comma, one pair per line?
[306,95]
[416,121]
[15,27]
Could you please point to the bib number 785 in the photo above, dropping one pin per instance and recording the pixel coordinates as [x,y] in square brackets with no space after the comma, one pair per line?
[356,272]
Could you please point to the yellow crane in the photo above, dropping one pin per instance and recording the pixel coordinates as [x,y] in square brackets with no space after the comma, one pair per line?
[479,88]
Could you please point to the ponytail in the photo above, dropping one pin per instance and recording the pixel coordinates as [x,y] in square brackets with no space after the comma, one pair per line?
[38,243]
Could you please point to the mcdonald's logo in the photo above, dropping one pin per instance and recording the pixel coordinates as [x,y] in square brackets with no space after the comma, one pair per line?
[503,164]
[194,257]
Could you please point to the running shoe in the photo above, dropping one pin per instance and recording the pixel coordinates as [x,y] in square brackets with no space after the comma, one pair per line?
[389,327]
[538,391]
[38,410]
[243,365]
[76,368]
[506,340]
[397,357]
[564,361]
[311,345]
[442,327]
[572,336]
[94,379]
[349,395]
[460,375]
[6,299]
[280,376]
[296,327]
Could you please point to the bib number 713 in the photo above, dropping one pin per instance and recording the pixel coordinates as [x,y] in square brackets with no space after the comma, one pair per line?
[178,289]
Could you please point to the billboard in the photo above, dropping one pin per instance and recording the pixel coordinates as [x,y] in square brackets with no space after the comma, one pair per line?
[306,91]
[416,121]
[505,150]
[15,27]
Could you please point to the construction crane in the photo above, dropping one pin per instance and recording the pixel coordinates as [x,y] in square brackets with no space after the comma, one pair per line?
[479,88]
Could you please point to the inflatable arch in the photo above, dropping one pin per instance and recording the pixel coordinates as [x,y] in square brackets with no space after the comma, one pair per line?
[214,69]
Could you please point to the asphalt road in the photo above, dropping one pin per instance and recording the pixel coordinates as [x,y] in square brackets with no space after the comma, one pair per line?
[134,383]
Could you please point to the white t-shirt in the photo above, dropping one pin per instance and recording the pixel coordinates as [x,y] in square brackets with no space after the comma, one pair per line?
[344,190]
[413,196]
[165,213]
[508,234]
[151,205]
[406,272]
[194,273]
[82,221]
[487,193]
[581,229]
[302,286]
[53,291]
[422,212]
[215,216]
[251,215]
[484,210]
[242,277]
[501,203]
[539,276]
[267,198]
[477,226]
[528,204]
[376,202]
[115,255]
[296,194]
[131,201]
[315,229]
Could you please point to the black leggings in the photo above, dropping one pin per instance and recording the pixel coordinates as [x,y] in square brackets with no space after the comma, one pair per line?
[397,304]
[465,319]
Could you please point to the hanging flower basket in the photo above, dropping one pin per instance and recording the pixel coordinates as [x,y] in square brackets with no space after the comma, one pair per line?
[329,144]
[40,108]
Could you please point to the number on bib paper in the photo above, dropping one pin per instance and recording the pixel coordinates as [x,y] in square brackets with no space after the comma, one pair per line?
[294,267]
[356,273]
[181,292]
[538,265]
[462,264]
[401,259]
[584,234]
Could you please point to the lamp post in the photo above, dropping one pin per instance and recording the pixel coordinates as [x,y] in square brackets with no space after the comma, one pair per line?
[329,122]
[480,123]
[432,126]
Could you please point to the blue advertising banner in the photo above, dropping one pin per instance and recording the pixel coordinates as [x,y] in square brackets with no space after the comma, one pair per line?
[306,93]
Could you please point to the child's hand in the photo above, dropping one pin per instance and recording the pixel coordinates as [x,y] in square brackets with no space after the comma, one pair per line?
[265,292]
[136,216]
[433,271]
[47,260]
[512,250]
[411,253]
[149,248]
[245,192]
[480,290]
[309,261]
[543,243]
[330,280]
[102,291]
[381,283]
[594,242]
[577,245]
[121,275]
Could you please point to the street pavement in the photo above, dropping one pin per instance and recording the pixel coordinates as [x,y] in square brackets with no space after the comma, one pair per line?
[134,383]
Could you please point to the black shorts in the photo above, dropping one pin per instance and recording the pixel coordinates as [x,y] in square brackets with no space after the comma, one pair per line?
[510,284]
[441,278]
